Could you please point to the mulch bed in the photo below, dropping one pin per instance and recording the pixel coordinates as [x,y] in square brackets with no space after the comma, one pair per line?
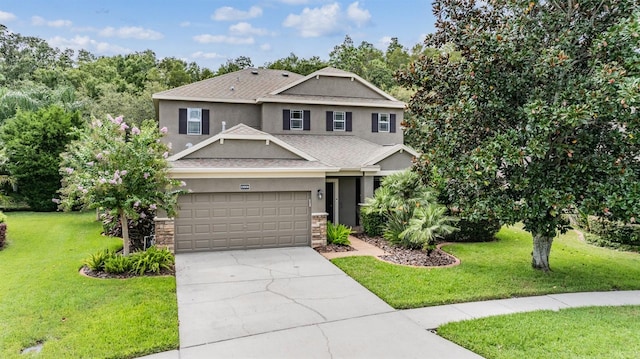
[104,275]
[411,257]
[330,248]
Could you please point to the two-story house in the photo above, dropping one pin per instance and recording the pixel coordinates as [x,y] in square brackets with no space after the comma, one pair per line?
[269,156]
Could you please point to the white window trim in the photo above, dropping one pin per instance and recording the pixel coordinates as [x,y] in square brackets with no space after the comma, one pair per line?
[380,122]
[291,119]
[344,121]
[190,120]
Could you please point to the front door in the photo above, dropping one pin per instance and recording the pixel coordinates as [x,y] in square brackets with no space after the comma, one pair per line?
[331,200]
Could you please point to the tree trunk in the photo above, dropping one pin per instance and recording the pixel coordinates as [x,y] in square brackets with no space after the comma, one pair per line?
[541,250]
[125,233]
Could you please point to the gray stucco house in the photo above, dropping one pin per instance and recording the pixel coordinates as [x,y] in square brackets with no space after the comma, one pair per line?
[270,156]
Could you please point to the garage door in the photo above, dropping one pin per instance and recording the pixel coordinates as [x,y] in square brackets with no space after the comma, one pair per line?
[221,221]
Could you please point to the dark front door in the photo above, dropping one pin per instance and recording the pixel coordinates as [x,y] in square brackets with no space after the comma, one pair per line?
[329,201]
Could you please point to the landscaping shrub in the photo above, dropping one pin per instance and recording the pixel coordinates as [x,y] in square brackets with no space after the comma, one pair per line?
[118,264]
[153,260]
[96,261]
[3,229]
[613,234]
[474,231]
[372,223]
[426,225]
[338,234]
[138,229]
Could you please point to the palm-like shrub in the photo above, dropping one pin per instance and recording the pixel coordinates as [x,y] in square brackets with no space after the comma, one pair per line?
[412,218]
[426,226]
[338,234]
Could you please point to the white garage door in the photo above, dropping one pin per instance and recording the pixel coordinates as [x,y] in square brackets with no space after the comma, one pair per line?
[222,221]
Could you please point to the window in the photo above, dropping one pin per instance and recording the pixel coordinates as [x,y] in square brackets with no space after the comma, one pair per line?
[338,121]
[296,119]
[383,122]
[194,121]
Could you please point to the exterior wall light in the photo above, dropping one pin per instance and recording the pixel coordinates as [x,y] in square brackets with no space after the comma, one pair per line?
[320,194]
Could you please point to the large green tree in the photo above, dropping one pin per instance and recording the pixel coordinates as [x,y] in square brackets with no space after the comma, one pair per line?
[539,115]
[32,143]
[120,168]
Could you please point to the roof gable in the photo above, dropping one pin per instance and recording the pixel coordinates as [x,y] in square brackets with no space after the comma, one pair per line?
[241,132]
[330,72]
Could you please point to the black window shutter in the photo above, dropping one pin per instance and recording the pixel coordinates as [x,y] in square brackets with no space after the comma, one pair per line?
[286,119]
[306,120]
[374,122]
[349,125]
[392,123]
[182,121]
[329,120]
[205,122]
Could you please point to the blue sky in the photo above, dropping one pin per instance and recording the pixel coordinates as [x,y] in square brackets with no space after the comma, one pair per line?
[210,32]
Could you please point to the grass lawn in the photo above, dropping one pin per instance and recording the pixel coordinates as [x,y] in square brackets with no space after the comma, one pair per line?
[499,269]
[595,332]
[43,299]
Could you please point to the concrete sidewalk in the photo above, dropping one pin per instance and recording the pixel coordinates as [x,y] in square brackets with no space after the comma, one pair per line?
[349,333]
[433,317]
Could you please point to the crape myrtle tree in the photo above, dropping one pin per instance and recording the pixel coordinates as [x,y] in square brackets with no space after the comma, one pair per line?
[118,168]
[540,115]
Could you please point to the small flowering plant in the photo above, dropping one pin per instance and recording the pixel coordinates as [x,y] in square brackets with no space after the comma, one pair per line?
[120,167]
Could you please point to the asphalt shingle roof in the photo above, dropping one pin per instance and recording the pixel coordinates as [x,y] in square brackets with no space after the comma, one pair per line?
[254,163]
[345,152]
[247,85]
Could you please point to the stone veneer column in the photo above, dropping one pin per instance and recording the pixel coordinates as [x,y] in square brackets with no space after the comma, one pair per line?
[165,233]
[318,229]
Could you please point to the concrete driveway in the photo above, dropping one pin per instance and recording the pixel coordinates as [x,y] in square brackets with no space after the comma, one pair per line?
[290,303]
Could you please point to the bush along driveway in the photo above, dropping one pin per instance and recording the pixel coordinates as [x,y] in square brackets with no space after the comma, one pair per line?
[45,302]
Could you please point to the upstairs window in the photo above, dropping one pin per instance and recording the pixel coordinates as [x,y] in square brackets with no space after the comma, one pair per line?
[296,120]
[194,121]
[383,122]
[338,121]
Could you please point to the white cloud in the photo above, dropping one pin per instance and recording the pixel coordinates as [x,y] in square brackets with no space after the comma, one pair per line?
[358,15]
[6,16]
[131,32]
[384,42]
[185,24]
[40,21]
[227,13]
[265,47]
[317,21]
[294,2]
[244,28]
[87,43]
[206,55]
[223,39]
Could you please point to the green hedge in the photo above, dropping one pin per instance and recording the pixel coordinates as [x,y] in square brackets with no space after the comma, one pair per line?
[613,234]
[372,223]
[474,231]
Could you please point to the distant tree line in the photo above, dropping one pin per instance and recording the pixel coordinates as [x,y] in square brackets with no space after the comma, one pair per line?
[46,92]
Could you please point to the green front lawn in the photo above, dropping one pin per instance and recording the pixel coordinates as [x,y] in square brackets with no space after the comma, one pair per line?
[499,269]
[43,299]
[595,332]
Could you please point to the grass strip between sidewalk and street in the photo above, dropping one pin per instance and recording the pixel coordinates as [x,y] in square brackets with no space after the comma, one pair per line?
[592,332]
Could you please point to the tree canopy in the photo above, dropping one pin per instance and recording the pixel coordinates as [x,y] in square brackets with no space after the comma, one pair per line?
[537,117]
[119,168]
